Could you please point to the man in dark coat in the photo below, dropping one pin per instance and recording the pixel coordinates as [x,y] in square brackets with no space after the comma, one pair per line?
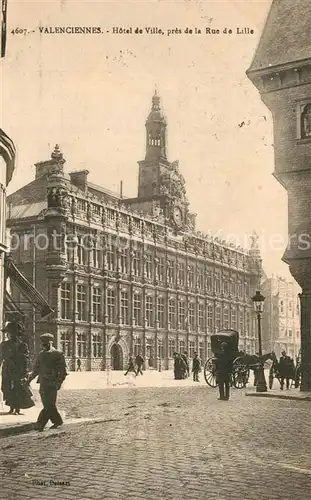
[184,357]
[286,370]
[224,366]
[14,357]
[196,367]
[139,361]
[50,367]
[131,367]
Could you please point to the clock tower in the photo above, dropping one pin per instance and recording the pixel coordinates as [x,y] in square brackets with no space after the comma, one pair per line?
[160,183]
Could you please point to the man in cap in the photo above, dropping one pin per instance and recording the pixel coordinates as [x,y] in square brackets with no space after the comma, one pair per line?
[50,367]
[224,363]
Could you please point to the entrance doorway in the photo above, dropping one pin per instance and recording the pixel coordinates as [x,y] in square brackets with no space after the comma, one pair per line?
[116,357]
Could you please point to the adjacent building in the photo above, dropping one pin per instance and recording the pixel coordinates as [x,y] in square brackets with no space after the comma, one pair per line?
[7,163]
[281,71]
[281,316]
[128,275]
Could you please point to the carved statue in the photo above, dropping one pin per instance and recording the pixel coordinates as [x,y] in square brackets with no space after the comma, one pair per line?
[254,239]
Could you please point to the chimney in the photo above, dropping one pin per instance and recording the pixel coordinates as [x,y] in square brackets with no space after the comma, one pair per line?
[79,179]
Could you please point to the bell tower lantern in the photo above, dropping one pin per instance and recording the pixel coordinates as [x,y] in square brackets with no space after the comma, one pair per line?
[155,131]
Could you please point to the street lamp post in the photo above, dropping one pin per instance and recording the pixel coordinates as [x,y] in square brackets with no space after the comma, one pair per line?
[258,301]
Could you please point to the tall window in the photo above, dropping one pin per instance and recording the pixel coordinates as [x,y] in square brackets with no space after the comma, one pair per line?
[191,316]
[182,314]
[241,320]
[65,342]
[81,345]
[200,278]
[182,346]
[96,253]
[82,250]
[226,317]
[201,350]
[161,269]
[248,323]
[172,314]
[110,257]
[148,266]
[97,304]
[226,285]
[124,309]
[160,312]
[210,317]
[209,280]
[149,311]
[65,300]
[181,273]
[124,261]
[137,309]
[136,263]
[217,319]
[160,349]
[240,288]
[81,302]
[111,305]
[191,348]
[217,283]
[170,271]
[137,346]
[201,317]
[171,347]
[97,346]
[191,276]
[233,318]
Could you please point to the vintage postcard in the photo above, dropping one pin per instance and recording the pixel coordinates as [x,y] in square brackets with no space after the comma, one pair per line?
[155,249]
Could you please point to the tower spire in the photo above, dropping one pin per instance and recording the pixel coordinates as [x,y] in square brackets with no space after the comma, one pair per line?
[155,130]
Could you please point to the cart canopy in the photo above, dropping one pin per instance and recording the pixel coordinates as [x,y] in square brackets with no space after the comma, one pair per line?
[231,337]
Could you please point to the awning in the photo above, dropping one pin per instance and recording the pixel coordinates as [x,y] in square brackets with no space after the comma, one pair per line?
[10,307]
[26,288]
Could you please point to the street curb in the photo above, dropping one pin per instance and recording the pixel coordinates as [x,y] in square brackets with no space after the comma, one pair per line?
[277,396]
[13,430]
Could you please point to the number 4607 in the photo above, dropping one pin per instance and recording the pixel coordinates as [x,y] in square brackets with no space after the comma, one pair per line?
[19,31]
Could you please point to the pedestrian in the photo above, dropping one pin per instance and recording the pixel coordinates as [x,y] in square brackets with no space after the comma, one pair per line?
[50,367]
[184,357]
[286,370]
[131,367]
[139,361]
[14,358]
[224,362]
[78,365]
[196,367]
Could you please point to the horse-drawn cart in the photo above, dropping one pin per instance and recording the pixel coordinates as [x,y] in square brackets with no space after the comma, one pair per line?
[240,372]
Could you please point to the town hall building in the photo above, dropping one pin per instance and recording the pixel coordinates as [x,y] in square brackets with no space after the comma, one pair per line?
[128,275]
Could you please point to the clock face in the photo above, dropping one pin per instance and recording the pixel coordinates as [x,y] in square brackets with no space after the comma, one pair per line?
[177,216]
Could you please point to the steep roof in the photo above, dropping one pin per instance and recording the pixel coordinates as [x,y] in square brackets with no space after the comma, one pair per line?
[286,36]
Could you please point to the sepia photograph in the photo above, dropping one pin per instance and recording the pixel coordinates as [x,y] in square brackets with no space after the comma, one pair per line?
[155,249]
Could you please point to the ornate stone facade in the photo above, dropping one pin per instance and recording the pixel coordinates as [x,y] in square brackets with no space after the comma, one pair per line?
[130,275]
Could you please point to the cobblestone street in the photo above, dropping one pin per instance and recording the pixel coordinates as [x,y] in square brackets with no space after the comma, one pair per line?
[166,443]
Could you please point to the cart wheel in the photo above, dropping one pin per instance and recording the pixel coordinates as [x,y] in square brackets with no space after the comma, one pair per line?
[240,373]
[210,372]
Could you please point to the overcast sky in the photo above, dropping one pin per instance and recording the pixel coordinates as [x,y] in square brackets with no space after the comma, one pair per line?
[92,93]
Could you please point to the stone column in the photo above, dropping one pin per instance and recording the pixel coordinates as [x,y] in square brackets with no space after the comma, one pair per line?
[305,302]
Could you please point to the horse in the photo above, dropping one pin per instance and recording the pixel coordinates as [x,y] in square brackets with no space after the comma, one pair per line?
[254,362]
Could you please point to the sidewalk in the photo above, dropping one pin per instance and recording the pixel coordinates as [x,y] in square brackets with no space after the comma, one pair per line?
[293,394]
